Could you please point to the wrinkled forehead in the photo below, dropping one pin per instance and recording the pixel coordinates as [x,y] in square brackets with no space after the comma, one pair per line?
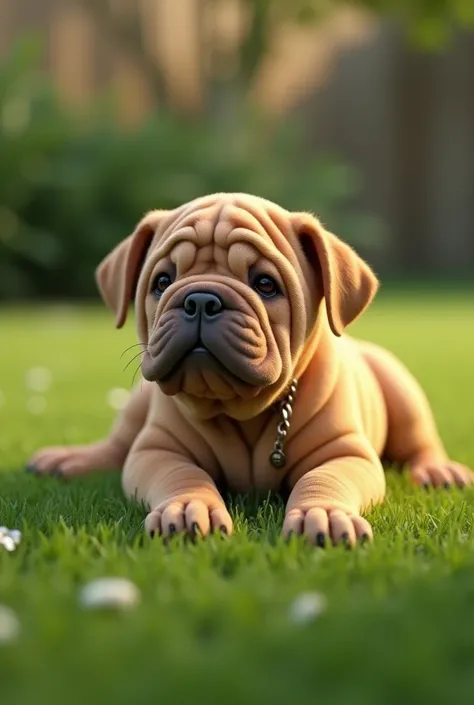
[221,222]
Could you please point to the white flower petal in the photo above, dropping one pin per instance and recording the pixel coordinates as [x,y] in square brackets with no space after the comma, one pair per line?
[8,543]
[15,534]
[307,607]
[9,625]
[109,593]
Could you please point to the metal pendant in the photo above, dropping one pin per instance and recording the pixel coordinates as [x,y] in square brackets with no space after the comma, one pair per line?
[278,459]
[277,456]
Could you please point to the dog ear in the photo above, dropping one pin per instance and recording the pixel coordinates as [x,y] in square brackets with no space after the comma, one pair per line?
[117,274]
[349,284]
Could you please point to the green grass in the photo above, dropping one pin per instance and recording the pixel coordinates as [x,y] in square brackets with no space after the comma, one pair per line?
[213,625]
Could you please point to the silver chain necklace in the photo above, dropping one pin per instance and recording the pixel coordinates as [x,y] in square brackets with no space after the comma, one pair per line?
[277,456]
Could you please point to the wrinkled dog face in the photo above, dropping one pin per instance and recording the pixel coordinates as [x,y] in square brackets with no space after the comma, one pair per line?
[228,292]
[217,308]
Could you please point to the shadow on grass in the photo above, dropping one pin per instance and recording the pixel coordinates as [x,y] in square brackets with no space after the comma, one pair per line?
[85,503]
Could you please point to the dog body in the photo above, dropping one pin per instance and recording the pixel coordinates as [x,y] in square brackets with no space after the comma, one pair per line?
[241,308]
[337,394]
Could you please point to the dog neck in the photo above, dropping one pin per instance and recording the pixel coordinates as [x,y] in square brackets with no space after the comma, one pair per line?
[259,433]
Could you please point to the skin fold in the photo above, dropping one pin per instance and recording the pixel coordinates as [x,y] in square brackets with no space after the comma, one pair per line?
[235,298]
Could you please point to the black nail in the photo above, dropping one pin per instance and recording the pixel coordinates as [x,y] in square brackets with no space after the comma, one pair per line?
[345,540]
[289,536]
[447,485]
[364,539]
[32,469]
[152,534]
[426,485]
[223,529]
[321,539]
[57,473]
[195,530]
[172,529]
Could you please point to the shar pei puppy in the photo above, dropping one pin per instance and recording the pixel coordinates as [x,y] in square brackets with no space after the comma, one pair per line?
[249,378]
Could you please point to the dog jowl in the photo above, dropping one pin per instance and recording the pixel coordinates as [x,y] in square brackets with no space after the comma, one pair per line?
[250,380]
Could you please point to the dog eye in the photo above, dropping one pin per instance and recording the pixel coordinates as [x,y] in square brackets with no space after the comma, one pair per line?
[160,283]
[266,286]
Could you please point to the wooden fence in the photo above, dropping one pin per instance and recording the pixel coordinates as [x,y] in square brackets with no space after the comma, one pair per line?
[404,118]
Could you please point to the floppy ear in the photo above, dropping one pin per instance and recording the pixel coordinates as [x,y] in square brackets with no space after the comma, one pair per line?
[117,274]
[349,284]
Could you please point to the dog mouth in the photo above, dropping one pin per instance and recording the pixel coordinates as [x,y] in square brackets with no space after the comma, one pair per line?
[199,360]
[200,372]
[210,345]
[198,351]
[200,348]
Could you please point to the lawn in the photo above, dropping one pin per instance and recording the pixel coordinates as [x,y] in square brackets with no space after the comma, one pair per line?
[214,624]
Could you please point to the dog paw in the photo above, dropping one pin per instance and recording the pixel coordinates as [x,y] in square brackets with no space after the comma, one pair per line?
[196,518]
[320,526]
[441,474]
[67,461]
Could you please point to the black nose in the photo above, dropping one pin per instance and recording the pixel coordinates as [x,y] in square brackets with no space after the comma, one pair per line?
[201,303]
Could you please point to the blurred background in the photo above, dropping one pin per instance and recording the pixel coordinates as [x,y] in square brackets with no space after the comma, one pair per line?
[362,113]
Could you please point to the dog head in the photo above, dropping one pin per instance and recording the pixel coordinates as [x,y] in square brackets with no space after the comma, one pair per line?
[229,290]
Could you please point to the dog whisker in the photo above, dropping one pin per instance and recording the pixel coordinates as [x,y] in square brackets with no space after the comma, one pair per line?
[142,352]
[136,345]
[135,374]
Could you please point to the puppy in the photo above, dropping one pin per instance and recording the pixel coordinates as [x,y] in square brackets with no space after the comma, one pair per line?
[249,379]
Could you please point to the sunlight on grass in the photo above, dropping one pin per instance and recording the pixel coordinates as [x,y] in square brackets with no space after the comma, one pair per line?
[215,619]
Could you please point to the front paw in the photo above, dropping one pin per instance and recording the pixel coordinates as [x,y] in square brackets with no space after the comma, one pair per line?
[320,525]
[441,474]
[196,517]
[68,461]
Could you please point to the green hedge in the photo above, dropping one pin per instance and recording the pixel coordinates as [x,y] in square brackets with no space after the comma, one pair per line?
[71,187]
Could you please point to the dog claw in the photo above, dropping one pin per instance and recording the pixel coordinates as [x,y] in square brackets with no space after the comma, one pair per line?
[345,540]
[195,530]
[223,529]
[321,539]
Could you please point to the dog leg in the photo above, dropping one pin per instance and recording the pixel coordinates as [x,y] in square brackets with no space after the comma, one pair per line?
[182,497]
[326,503]
[413,438]
[107,454]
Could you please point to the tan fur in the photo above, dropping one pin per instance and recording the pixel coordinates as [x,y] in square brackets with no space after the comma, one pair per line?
[210,424]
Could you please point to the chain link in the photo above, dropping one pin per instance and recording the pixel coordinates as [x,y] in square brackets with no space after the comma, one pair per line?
[278,457]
